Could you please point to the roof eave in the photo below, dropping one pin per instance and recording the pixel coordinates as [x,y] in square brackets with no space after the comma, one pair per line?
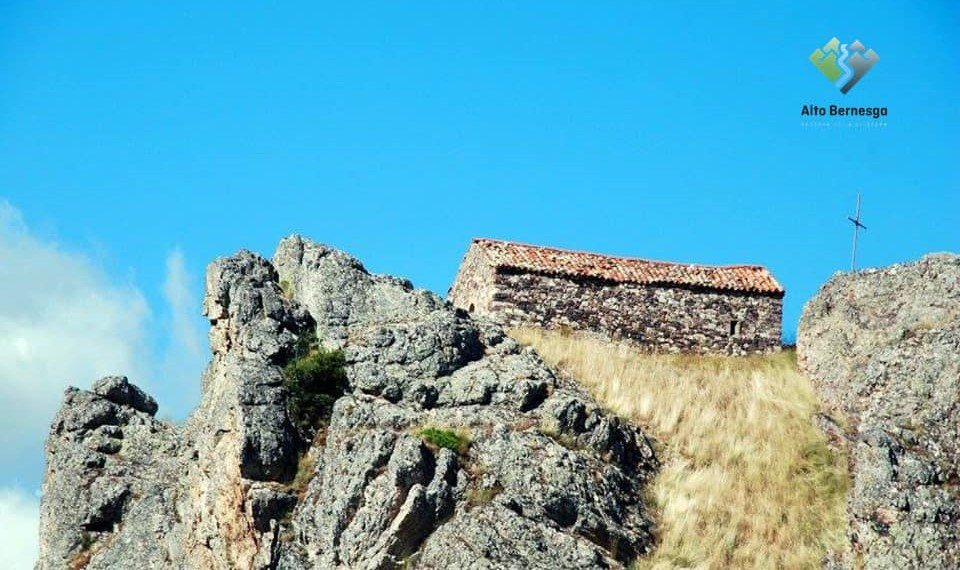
[779,291]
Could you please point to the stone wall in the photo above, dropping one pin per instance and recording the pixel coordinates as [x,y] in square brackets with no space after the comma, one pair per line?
[674,319]
[474,287]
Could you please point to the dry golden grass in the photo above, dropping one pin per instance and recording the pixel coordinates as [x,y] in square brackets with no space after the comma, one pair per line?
[747,479]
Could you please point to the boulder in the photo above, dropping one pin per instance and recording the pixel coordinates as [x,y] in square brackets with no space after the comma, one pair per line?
[120,391]
[883,350]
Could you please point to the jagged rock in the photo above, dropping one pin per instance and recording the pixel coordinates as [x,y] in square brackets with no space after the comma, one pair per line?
[102,457]
[267,506]
[120,391]
[883,350]
[395,337]
[495,537]
[546,479]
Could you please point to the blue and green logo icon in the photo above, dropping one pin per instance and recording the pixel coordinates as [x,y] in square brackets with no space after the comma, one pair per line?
[844,64]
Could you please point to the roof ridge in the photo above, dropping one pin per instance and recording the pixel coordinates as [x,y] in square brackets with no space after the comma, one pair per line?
[620,257]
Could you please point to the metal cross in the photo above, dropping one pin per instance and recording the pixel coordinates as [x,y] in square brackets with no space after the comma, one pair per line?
[856,229]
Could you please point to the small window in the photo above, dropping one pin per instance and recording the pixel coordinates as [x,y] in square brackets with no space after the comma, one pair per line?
[471,308]
[736,328]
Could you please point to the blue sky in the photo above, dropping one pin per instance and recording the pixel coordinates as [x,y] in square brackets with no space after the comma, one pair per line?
[143,140]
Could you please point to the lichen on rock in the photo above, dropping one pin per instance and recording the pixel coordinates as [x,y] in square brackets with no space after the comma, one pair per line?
[883,349]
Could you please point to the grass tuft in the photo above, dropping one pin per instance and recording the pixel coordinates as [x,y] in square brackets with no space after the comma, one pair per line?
[84,554]
[306,469]
[747,480]
[477,495]
[455,441]
[549,429]
[286,289]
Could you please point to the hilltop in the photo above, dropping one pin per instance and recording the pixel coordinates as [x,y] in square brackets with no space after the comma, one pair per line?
[346,420]
[350,420]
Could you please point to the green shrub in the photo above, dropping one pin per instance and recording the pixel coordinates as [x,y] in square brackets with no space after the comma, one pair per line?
[437,438]
[314,380]
[306,343]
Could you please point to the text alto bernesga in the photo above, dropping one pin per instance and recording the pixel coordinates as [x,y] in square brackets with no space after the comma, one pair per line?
[835,111]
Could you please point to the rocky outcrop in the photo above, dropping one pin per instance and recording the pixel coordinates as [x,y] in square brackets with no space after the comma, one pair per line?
[883,349]
[543,478]
[105,463]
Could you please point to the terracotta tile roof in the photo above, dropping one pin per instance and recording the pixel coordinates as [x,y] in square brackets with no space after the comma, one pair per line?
[751,278]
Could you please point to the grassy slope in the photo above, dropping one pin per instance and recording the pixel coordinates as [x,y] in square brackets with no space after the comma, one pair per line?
[747,479]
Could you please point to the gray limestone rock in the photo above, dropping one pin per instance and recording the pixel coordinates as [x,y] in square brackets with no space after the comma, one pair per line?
[883,349]
[543,478]
[119,390]
[103,459]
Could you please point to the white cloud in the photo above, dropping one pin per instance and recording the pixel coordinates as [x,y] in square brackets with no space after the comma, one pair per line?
[62,322]
[20,521]
[183,304]
[186,353]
